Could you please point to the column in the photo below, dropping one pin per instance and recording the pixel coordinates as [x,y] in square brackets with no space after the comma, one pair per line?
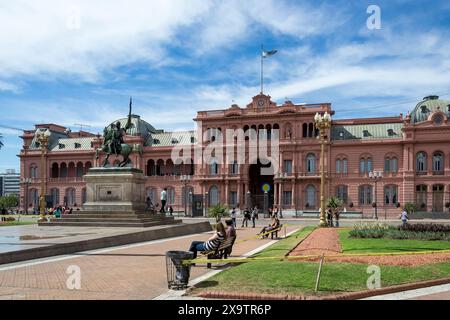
[226,192]
[239,195]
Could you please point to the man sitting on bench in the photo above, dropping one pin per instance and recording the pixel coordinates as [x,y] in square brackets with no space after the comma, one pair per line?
[275,223]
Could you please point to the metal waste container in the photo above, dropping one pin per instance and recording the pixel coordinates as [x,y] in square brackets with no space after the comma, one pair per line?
[178,273]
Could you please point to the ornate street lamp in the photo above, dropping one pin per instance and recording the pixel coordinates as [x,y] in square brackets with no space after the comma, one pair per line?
[42,137]
[322,124]
[375,176]
[281,176]
[26,182]
[185,179]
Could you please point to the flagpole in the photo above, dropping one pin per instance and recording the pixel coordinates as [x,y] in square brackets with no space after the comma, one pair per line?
[262,67]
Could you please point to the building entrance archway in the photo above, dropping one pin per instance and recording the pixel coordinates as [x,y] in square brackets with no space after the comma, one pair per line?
[258,180]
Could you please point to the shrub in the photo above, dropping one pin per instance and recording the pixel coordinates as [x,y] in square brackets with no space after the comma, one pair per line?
[425,227]
[218,211]
[369,230]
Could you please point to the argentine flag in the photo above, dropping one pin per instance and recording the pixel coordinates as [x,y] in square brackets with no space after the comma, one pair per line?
[266,54]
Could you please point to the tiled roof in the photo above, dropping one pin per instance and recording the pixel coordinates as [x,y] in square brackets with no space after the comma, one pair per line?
[74,144]
[53,139]
[167,139]
[366,131]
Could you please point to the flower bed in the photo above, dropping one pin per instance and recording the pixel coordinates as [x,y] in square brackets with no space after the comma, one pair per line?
[418,232]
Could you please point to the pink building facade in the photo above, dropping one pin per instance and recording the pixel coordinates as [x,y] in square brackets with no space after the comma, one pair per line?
[412,154]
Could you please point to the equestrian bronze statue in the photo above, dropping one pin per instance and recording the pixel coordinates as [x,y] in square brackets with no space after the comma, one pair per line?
[113,143]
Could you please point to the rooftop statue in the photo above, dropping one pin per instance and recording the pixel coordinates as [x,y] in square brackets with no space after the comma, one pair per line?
[113,143]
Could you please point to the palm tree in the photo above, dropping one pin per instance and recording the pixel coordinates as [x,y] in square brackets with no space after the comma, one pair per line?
[335,204]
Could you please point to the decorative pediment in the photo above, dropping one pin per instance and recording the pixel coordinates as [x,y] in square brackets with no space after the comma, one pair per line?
[261,101]
[233,111]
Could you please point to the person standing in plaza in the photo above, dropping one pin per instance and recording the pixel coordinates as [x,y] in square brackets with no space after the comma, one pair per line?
[404,217]
[275,212]
[233,216]
[246,217]
[254,216]
[163,200]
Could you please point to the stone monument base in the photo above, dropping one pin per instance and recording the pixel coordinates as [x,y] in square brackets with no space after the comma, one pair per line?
[115,197]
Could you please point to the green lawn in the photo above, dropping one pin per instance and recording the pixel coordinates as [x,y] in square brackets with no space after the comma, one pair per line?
[289,277]
[357,245]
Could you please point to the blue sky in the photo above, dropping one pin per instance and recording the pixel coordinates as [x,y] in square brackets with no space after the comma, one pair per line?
[75,61]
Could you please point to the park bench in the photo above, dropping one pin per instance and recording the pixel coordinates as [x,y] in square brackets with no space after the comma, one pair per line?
[273,232]
[222,251]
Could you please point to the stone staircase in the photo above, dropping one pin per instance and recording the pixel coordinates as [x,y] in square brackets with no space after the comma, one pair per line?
[111,219]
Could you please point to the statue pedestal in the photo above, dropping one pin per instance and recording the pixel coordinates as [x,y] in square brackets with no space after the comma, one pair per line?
[115,198]
[115,190]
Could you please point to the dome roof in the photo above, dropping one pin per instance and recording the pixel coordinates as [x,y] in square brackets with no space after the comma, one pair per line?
[139,127]
[427,106]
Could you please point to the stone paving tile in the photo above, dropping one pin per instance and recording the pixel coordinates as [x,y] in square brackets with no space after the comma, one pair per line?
[138,272]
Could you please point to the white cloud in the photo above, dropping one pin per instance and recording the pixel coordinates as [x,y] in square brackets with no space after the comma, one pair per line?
[111,34]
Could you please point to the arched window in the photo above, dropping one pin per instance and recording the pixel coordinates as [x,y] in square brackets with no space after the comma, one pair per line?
[421,162]
[438,162]
[169,167]
[151,168]
[54,192]
[83,195]
[394,165]
[305,130]
[310,130]
[87,166]
[63,170]
[342,193]
[70,197]
[213,196]
[269,131]
[421,197]
[213,167]
[338,166]
[365,165]
[311,164]
[234,168]
[71,171]
[55,170]
[79,170]
[365,195]
[390,195]
[170,196]
[160,167]
[33,171]
[151,193]
[311,196]
[344,166]
[34,198]
[187,193]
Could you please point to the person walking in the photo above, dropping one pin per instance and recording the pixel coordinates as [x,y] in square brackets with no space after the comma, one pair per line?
[233,216]
[254,216]
[404,217]
[163,200]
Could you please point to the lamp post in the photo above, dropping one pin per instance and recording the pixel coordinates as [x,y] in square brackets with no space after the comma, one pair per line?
[322,124]
[375,176]
[26,182]
[185,179]
[42,138]
[281,177]
[206,204]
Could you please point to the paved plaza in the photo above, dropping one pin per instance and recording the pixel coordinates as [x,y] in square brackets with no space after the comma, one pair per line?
[128,272]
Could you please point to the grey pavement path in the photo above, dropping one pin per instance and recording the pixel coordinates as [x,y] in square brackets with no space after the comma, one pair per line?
[129,272]
[440,292]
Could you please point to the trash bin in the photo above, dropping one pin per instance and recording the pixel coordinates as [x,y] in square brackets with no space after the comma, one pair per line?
[178,273]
